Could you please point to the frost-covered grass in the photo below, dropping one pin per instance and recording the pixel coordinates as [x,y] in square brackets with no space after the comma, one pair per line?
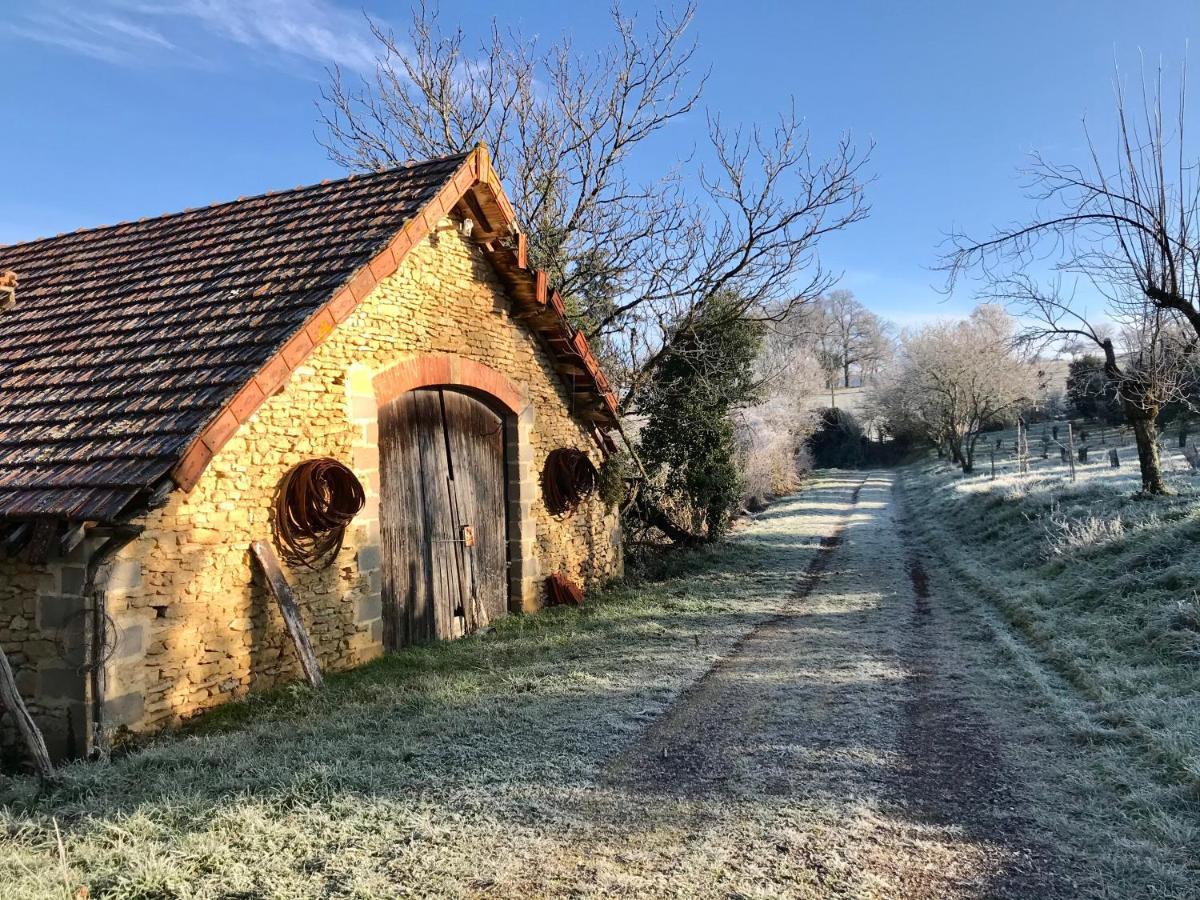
[1104,584]
[860,745]
[461,769]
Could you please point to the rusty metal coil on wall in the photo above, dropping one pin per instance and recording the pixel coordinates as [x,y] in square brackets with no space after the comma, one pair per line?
[568,479]
[314,504]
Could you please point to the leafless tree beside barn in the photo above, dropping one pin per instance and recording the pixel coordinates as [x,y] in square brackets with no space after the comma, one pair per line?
[637,261]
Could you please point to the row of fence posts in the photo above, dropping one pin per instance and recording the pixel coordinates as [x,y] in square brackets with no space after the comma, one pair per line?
[1067,451]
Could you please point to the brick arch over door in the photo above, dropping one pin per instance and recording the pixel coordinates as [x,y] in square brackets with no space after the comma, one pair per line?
[371,391]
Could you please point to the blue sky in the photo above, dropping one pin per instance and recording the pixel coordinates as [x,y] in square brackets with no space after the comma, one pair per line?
[115,109]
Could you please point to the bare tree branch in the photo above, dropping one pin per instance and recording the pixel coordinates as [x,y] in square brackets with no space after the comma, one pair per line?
[636,263]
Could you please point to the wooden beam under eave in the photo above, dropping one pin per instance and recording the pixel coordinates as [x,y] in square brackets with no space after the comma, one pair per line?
[595,413]
[487,231]
[16,535]
[539,320]
[72,538]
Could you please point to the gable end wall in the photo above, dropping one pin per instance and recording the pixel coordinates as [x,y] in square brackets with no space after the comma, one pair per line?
[195,628]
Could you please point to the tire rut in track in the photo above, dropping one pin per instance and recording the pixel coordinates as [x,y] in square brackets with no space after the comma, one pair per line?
[694,746]
[953,772]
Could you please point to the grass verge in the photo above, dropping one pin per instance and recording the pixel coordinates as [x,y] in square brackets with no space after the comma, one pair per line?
[439,771]
[1103,584]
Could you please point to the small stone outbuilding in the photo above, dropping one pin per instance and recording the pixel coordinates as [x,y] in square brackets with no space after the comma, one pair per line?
[158,380]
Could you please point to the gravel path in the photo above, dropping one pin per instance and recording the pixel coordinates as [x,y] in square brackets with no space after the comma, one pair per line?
[830,748]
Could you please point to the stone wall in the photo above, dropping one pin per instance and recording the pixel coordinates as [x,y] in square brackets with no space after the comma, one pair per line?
[42,622]
[195,627]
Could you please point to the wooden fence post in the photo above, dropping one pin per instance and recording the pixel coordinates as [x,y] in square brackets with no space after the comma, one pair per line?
[11,700]
[1071,449]
[291,612]
[1017,447]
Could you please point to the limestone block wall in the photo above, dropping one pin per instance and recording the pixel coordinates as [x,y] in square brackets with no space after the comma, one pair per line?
[194,625]
[42,622]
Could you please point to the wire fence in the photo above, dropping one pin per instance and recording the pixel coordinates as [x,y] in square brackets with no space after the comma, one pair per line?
[1090,445]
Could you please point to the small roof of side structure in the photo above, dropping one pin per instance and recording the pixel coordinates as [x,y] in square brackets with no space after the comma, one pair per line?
[134,351]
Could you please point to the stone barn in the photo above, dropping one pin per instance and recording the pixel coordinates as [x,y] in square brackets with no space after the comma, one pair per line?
[160,379]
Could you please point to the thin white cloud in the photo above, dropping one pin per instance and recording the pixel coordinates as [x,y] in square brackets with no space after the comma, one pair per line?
[129,32]
[104,36]
[112,24]
[316,30]
[64,39]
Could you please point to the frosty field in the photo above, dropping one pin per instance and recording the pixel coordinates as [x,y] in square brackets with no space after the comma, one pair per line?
[863,694]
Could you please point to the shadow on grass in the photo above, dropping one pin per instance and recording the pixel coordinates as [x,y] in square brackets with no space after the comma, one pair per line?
[550,666]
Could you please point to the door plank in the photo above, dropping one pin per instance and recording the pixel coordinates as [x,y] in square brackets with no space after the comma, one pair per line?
[476,436]
[404,522]
[439,524]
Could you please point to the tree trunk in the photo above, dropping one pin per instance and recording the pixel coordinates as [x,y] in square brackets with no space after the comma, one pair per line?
[1145,431]
[1143,417]
[846,375]
[652,514]
[969,454]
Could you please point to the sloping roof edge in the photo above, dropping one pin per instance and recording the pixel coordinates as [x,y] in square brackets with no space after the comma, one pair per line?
[475,188]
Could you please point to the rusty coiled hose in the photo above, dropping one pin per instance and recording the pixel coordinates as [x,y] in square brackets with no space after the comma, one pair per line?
[568,479]
[314,504]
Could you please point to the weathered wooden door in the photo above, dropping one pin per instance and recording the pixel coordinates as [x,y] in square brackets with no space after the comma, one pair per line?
[442,516]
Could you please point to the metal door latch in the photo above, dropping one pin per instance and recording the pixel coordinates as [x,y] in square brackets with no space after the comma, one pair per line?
[466,537]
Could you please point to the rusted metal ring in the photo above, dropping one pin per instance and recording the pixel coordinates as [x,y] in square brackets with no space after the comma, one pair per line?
[314,504]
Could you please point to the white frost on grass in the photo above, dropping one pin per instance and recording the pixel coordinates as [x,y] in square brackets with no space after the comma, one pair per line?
[1101,583]
[478,768]
[1067,536]
[452,770]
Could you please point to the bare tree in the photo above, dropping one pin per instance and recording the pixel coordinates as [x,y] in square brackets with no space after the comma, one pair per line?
[954,378]
[1150,360]
[635,262]
[848,336]
[773,433]
[1130,229]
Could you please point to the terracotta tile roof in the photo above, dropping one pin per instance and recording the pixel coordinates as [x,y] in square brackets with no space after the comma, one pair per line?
[125,341]
[134,351]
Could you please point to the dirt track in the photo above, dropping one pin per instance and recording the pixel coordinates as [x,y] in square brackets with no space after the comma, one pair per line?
[847,701]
